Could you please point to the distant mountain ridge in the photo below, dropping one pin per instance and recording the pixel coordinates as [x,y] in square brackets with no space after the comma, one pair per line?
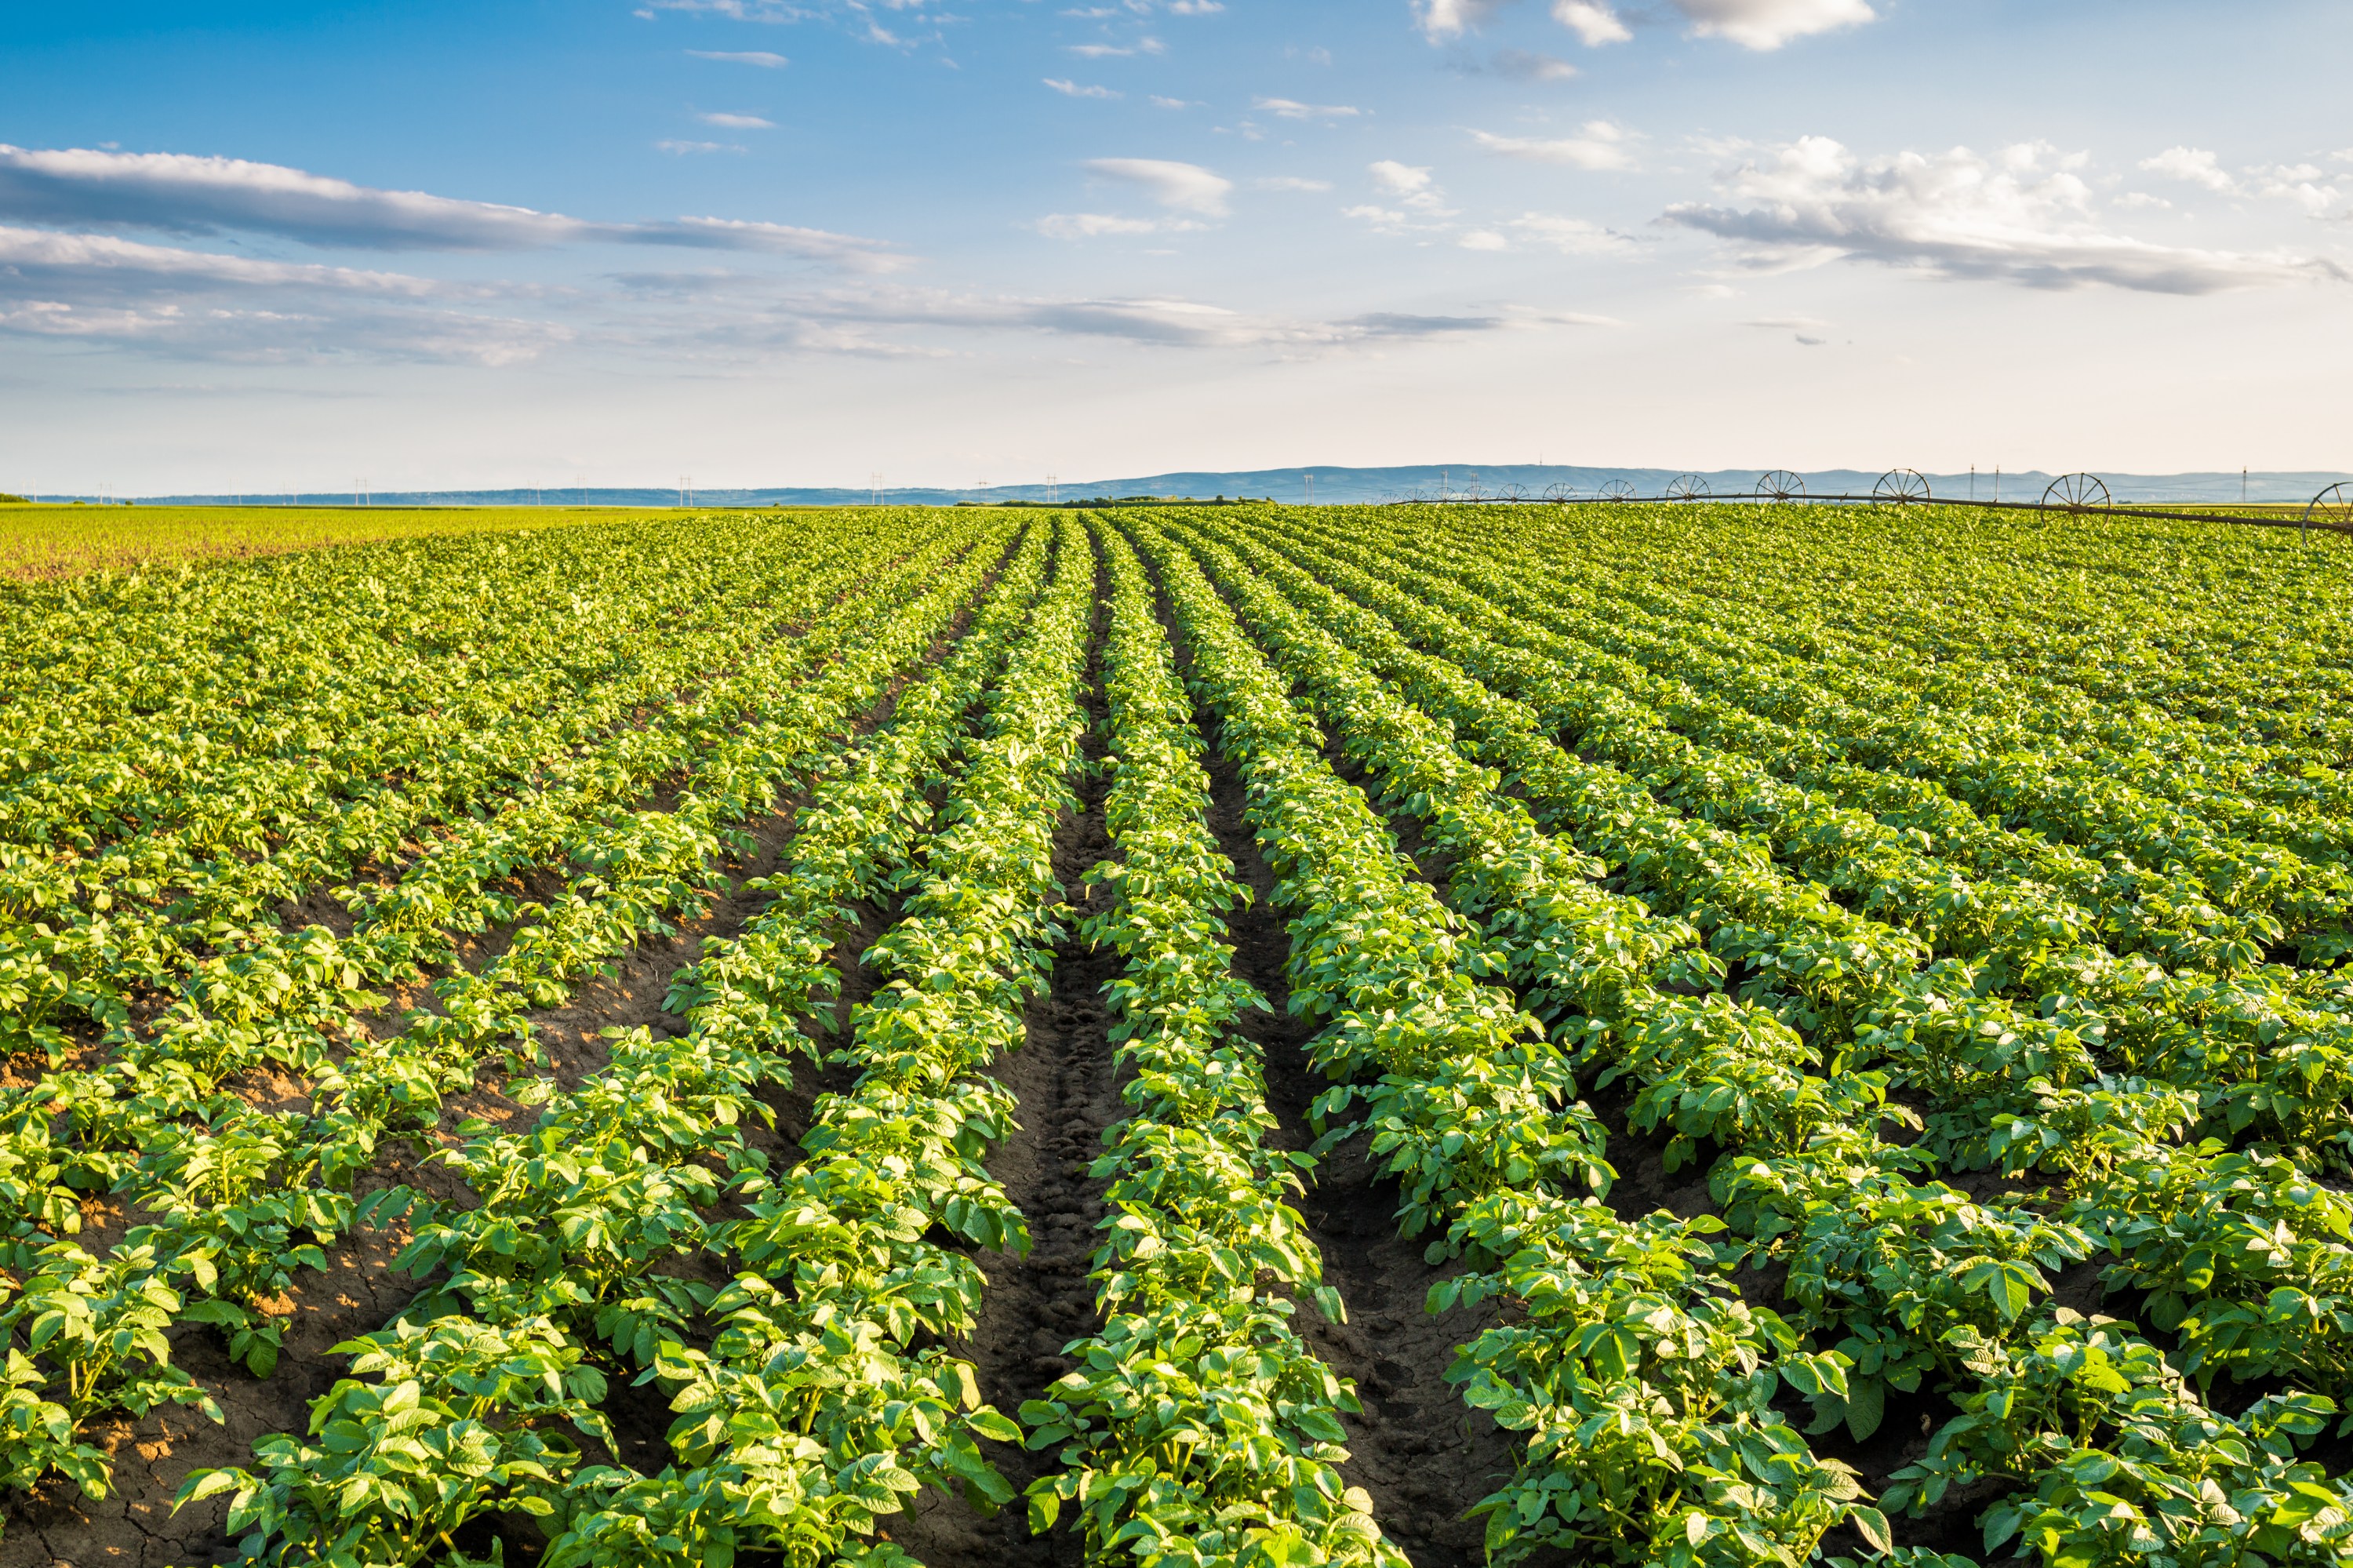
[1343,485]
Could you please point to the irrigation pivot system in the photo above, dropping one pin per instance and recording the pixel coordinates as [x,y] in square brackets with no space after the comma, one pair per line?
[1901,486]
[2074,493]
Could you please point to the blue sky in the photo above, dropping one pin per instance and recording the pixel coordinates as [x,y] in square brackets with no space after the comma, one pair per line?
[262,247]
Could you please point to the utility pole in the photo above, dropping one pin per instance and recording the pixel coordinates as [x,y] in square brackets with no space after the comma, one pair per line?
[1997,482]
[1973,482]
[1311,489]
[2243,487]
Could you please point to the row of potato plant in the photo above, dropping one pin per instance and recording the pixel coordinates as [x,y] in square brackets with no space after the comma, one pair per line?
[241,1198]
[1645,1385]
[1853,1226]
[398,721]
[566,1268]
[2147,864]
[2269,1050]
[1199,1429]
[1976,720]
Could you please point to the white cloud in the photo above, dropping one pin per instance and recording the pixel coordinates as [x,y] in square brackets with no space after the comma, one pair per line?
[683,149]
[1289,182]
[2191,165]
[1114,51]
[1769,24]
[1483,240]
[1600,145]
[1095,224]
[43,250]
[760,57]
[1450,18]
[2297,183]
[1570,236]
[1594,24]
[176,193]
[197,304]
[1403,180]
[1188,187]
[1073,90]
[1194,7]
[1752,24]
[2023,217]
[846,251]
[1165,323]
[1291,109]
[1420,206]
[1160,102]
[737,122]
[2300,183]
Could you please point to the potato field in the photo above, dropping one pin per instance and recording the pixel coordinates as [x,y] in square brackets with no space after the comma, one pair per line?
[1709,1036]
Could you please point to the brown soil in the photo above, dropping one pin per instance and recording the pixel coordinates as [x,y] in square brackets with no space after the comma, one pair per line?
[1425,1457]
[1066,1080]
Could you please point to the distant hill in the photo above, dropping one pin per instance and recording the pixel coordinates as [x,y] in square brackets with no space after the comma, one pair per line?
[1335,486]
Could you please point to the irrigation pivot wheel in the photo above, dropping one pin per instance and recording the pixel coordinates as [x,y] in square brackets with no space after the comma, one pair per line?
[2332,508]
[1687,487]
[1615,490]
[1514,493]
[2078,492]
[1901,486]
[1560,489]
[1781,485]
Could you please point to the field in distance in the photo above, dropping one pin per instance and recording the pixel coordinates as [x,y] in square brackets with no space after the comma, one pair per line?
[39,541]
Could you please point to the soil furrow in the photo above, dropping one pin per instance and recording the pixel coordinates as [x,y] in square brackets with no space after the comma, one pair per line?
[1066,1084]
[1424,1456]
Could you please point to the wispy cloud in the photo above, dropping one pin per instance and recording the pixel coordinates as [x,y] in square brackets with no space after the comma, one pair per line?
[193,304]
[737,122]
[1524,65]
[760,57]
[179,194]
[679,148]
[1117,51]
[1187,186]
[1289,183]
[2023,216]
[1073,90]
[2307,185]
[1291,109]
[1600,145]
[1570,236]
[1752,24]
[1405,182]
[1097,225]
